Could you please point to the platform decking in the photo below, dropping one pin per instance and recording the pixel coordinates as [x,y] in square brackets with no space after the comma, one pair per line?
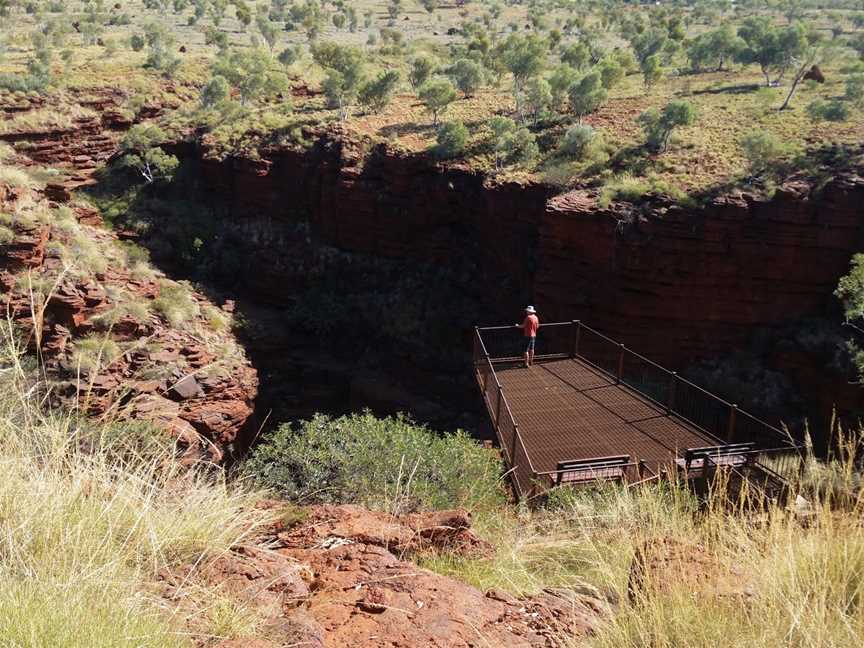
[567,409]
[590,409]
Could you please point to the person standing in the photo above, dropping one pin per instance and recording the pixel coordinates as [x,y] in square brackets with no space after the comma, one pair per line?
[530,325]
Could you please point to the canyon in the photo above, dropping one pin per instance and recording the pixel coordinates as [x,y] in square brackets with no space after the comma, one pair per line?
[681,285]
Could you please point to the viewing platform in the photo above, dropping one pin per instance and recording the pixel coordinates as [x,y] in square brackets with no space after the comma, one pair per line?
[591,410]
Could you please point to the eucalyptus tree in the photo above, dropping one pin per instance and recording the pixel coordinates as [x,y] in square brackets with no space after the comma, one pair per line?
[437,95]
[344,66]
[524,57]
[773,49]
[587,94]
[250,72]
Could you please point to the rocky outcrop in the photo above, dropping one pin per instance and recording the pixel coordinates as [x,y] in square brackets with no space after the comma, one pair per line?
[336,579]
[80,144]
[682,284]
[102,342]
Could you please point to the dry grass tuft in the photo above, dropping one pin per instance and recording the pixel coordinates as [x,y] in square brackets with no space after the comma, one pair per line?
[90,514]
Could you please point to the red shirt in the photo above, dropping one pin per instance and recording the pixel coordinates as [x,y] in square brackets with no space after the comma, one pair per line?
[530,325]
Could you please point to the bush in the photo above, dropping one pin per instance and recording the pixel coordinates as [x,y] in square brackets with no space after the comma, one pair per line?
[517,146]
[467,75]
[762,150]
[855,89]
[577,141]
[833,111]
[658,126]
[436,95]
[176,303]
[451,138]
[376,93]
[382,463]
[422,68]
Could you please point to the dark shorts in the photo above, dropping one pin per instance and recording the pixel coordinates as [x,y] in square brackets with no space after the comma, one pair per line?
[530,343]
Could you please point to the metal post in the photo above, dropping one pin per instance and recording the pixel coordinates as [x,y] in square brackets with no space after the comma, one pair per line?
[515,439]
[498,409]
[621,363]
[730,434]
[672,393]
[577,332]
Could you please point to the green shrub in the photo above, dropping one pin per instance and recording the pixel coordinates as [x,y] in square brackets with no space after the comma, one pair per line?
[855,89]
[762,150]
[6,235]
[658,126]
[176,303]
[451,138]
[833,111]
[383,463]
[577,141]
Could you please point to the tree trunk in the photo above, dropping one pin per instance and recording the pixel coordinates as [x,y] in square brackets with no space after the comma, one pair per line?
[800,75]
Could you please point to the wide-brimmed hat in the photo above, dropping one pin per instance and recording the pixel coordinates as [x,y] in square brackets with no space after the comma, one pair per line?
[530,309]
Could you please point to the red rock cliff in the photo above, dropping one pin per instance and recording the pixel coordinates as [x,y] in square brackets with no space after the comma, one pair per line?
[681,285]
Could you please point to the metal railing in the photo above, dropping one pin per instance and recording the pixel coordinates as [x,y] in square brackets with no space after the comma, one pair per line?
[774,451]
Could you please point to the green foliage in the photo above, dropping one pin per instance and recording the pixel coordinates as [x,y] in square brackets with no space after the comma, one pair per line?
[578,141]
[467,75]
[652,70]
[376,93]
[421,69]
[175,303]
[243,13]
[855,89]
[290,55]
[436,95]
[250,71]
[576,55]
[216,91]
[651,42]
[269,30]
[143,153]
[524,57]
[538,97]
[611,72]
[763,151]
[714,48]
[388,463]
[160,42]
[512,144]
[833,111]
[772,48]
[450,139]
[560,81]
[850,290]
[137,42]
[38,74]
[344,66]
[587,95]
[658,126]
[215,36]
